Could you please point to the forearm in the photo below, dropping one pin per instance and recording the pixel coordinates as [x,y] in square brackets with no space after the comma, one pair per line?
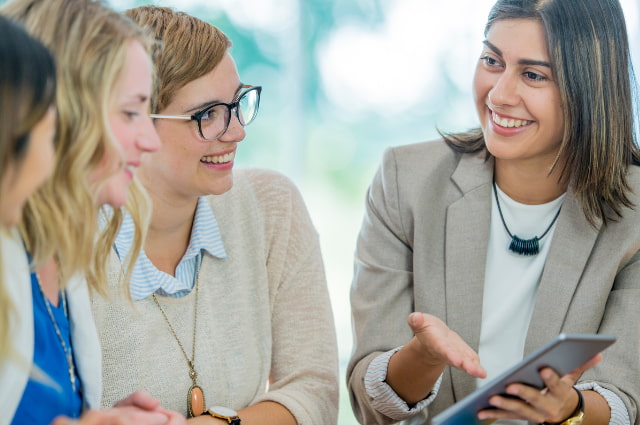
[410,376]
[596,409]
[263,413]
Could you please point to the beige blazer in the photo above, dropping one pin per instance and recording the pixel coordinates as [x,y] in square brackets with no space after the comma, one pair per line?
[423,246]
[14,373]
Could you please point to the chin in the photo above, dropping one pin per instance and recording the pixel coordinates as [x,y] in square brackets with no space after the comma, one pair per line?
[222,186]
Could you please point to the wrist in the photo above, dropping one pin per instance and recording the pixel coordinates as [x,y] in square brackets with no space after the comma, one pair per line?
[577,416]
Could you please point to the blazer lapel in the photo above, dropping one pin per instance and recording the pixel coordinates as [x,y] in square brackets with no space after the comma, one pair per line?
[467,234]
[572,243]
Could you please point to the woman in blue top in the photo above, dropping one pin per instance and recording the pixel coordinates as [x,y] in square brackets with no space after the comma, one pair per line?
[50,358]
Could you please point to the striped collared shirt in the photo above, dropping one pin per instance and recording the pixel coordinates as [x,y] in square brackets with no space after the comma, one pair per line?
[147,279]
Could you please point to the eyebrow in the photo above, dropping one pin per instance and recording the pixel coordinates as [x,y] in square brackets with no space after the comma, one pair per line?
[521,61]
[203,105]
[137,98]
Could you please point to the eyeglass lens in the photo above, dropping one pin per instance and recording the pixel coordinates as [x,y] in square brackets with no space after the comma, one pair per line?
[215,121]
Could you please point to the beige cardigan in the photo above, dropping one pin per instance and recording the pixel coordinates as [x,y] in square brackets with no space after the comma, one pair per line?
[264,315]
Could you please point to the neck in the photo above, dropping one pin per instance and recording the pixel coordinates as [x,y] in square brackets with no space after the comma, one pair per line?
[529,185]
[170,230]
[48,276]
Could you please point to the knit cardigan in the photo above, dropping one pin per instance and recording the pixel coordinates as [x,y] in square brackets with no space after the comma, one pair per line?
[265,328]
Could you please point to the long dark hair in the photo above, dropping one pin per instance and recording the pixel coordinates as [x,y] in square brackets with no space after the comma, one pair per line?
[27,90]
[590,58]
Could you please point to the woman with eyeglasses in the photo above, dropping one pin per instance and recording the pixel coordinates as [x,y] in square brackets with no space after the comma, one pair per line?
[231,319]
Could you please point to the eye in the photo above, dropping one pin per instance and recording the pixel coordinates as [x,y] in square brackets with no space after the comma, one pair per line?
[209,114]
[489,61]
[131,115]
[533,76]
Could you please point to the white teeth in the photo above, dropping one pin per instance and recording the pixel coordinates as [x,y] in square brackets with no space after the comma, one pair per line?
[218,159]
[509,123]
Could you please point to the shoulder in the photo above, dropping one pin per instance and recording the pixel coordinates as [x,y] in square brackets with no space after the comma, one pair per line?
[422,159]
[271,189]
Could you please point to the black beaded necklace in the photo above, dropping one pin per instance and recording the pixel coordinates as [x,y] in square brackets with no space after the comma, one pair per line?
[523,246]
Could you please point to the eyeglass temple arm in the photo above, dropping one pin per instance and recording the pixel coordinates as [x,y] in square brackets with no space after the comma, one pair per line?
[175,117]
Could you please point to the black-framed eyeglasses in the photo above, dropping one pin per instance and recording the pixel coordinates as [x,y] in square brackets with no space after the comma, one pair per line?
[213,121]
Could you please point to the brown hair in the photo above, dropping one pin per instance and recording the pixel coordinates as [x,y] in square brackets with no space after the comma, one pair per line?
[187,48]
[590,58]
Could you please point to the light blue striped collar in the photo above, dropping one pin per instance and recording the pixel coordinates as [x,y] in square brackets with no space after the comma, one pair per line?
[147,279]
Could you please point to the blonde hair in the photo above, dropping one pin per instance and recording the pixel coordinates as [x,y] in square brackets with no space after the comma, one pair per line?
[187,48]
[27,90]
[89,42]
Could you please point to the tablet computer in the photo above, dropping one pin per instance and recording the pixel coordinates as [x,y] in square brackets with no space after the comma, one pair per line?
[563,354]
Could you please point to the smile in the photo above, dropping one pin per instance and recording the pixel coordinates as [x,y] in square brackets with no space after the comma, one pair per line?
[508,122]
[218,159]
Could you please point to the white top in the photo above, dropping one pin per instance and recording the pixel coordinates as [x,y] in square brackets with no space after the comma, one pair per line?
[511,282]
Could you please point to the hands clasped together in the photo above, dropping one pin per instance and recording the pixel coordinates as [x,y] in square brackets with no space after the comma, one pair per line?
[137,409]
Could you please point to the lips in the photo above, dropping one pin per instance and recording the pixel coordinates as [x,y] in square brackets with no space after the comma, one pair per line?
[219,159]
[508,122]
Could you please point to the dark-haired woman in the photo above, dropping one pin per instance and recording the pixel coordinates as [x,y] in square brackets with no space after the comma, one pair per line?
[494,241]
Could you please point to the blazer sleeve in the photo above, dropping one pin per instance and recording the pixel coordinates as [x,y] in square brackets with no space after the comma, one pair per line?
[381,291]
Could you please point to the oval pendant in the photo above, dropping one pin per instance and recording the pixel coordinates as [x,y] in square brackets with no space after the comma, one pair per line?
[195,401]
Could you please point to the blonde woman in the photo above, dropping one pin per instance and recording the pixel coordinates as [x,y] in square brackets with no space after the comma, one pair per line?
[232,317]
[103,90]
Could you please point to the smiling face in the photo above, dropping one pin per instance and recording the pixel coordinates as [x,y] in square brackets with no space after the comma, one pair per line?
[518,101]
[23,177]
[131,126]
[186,165]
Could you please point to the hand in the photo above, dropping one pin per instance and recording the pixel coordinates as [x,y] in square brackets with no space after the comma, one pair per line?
[554,403]
[442,346]
[114,416]
[145,401]
[140,399]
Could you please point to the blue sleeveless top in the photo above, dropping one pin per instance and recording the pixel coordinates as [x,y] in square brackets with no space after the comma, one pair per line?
[49,392]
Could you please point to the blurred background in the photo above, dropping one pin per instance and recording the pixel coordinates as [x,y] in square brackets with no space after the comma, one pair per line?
[343,80]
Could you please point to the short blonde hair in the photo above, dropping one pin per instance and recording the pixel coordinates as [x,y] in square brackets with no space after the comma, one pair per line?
[186,49]
[89,42]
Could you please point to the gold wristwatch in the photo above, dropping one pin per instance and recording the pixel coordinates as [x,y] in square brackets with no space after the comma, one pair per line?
[224,413]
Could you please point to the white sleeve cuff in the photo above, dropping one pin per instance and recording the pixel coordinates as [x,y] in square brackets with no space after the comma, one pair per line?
[619,413]
[383,398]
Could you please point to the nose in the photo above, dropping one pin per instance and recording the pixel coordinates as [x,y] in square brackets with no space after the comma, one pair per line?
[148,139]
[505,90]
[235,132]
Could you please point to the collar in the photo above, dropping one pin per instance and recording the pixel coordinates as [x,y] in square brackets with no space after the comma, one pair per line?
[147,279]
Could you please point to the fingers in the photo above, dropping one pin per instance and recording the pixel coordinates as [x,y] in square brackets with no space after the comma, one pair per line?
[441,345]
[63,420]
[575,374]
[140,399]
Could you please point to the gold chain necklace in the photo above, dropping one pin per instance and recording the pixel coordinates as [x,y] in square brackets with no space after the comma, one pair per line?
[195,396]
[67,350]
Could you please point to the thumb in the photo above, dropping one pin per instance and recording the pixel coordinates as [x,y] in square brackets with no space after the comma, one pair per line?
[416,321]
